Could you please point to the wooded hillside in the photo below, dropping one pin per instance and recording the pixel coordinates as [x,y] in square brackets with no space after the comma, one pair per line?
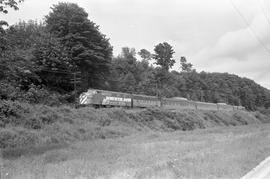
[207,87]
[52,62]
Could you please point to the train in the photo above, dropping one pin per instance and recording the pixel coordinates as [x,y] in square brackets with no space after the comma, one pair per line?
[103,98]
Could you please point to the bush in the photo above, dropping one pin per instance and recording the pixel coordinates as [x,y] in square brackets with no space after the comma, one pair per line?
[25,124]
[10,108]
[264,111]
[11,112]
[12,138]
[33,123]
[16,113]
[35,94]
[9,91]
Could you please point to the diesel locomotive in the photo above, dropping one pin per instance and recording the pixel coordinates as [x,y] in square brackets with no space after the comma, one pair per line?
[102,98]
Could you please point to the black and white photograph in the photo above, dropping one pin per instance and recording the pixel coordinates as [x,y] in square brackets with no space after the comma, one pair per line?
[134,89]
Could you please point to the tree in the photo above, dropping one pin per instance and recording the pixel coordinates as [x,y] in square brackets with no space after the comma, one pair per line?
[4,4]
[23,35]
[53,64]
[21,39]
[186,67]
[123,71]
[87,46]
[164,55]
[128,52]
[145,54]
[131,75]
[164,58]
[129,55]
[3,40]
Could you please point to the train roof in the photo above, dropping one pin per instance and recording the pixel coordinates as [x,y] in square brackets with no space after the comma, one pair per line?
[174,99]
[138,95]
[180,98]
[109,91]
[142,95]
[200,102]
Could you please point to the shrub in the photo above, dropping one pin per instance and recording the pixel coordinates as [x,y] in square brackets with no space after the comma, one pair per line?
[35,94]
[7,138]
[33,123]
[264,111]
[8,91]
[11,112]
[26,115]
[27,124]
[12,138]
[10,108]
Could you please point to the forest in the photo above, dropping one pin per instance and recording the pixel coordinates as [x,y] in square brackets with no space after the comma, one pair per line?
[53,61]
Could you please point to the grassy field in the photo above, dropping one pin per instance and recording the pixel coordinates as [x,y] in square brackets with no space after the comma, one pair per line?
[222,152]
[24,126]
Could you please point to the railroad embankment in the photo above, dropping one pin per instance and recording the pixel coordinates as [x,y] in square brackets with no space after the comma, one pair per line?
[23,125]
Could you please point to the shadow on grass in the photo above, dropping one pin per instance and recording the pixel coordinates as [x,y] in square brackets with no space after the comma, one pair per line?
[15,153]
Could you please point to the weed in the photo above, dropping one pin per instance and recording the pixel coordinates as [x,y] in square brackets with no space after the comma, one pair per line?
[23,125]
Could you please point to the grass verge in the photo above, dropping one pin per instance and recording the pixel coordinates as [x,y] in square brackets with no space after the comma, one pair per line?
[37,127]
[221,152]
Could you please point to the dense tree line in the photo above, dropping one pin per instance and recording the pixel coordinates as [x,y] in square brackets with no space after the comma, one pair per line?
[40,62]
[47,55]
[139,76]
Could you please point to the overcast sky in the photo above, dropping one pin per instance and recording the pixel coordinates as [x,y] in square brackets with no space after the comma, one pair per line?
[215,35]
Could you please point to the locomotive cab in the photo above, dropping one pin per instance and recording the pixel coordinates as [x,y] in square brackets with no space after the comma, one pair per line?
[87,97]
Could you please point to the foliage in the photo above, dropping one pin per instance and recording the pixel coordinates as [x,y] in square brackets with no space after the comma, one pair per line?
[24,115]
[53,64]
[164,55]
[164,58]
[37,61]
[4,4]
[89,49]
[23,35]
[145,54]
[185,67]
[25,125]
[31,51]
[17,67]
[34,94]
[35,53]
[133,76]
[129,54]
[3,39]
[222,87]
[129,74]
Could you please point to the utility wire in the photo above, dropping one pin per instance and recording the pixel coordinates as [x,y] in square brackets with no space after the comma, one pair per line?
[264,12]
[112,80]
[251,30]
[59,71]
[53,71]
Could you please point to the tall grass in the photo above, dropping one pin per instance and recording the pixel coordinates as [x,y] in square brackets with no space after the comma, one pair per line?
[24,125]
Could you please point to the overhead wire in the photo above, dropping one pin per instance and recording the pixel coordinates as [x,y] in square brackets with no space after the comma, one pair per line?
[264,12]
[248,25]
[114,80]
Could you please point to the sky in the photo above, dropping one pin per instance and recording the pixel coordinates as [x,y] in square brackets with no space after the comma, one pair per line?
[214,35]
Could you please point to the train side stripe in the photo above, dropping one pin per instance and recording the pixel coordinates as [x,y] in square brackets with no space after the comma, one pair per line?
[83,99]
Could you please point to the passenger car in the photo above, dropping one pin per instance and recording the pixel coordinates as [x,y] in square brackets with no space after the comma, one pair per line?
[103,98]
